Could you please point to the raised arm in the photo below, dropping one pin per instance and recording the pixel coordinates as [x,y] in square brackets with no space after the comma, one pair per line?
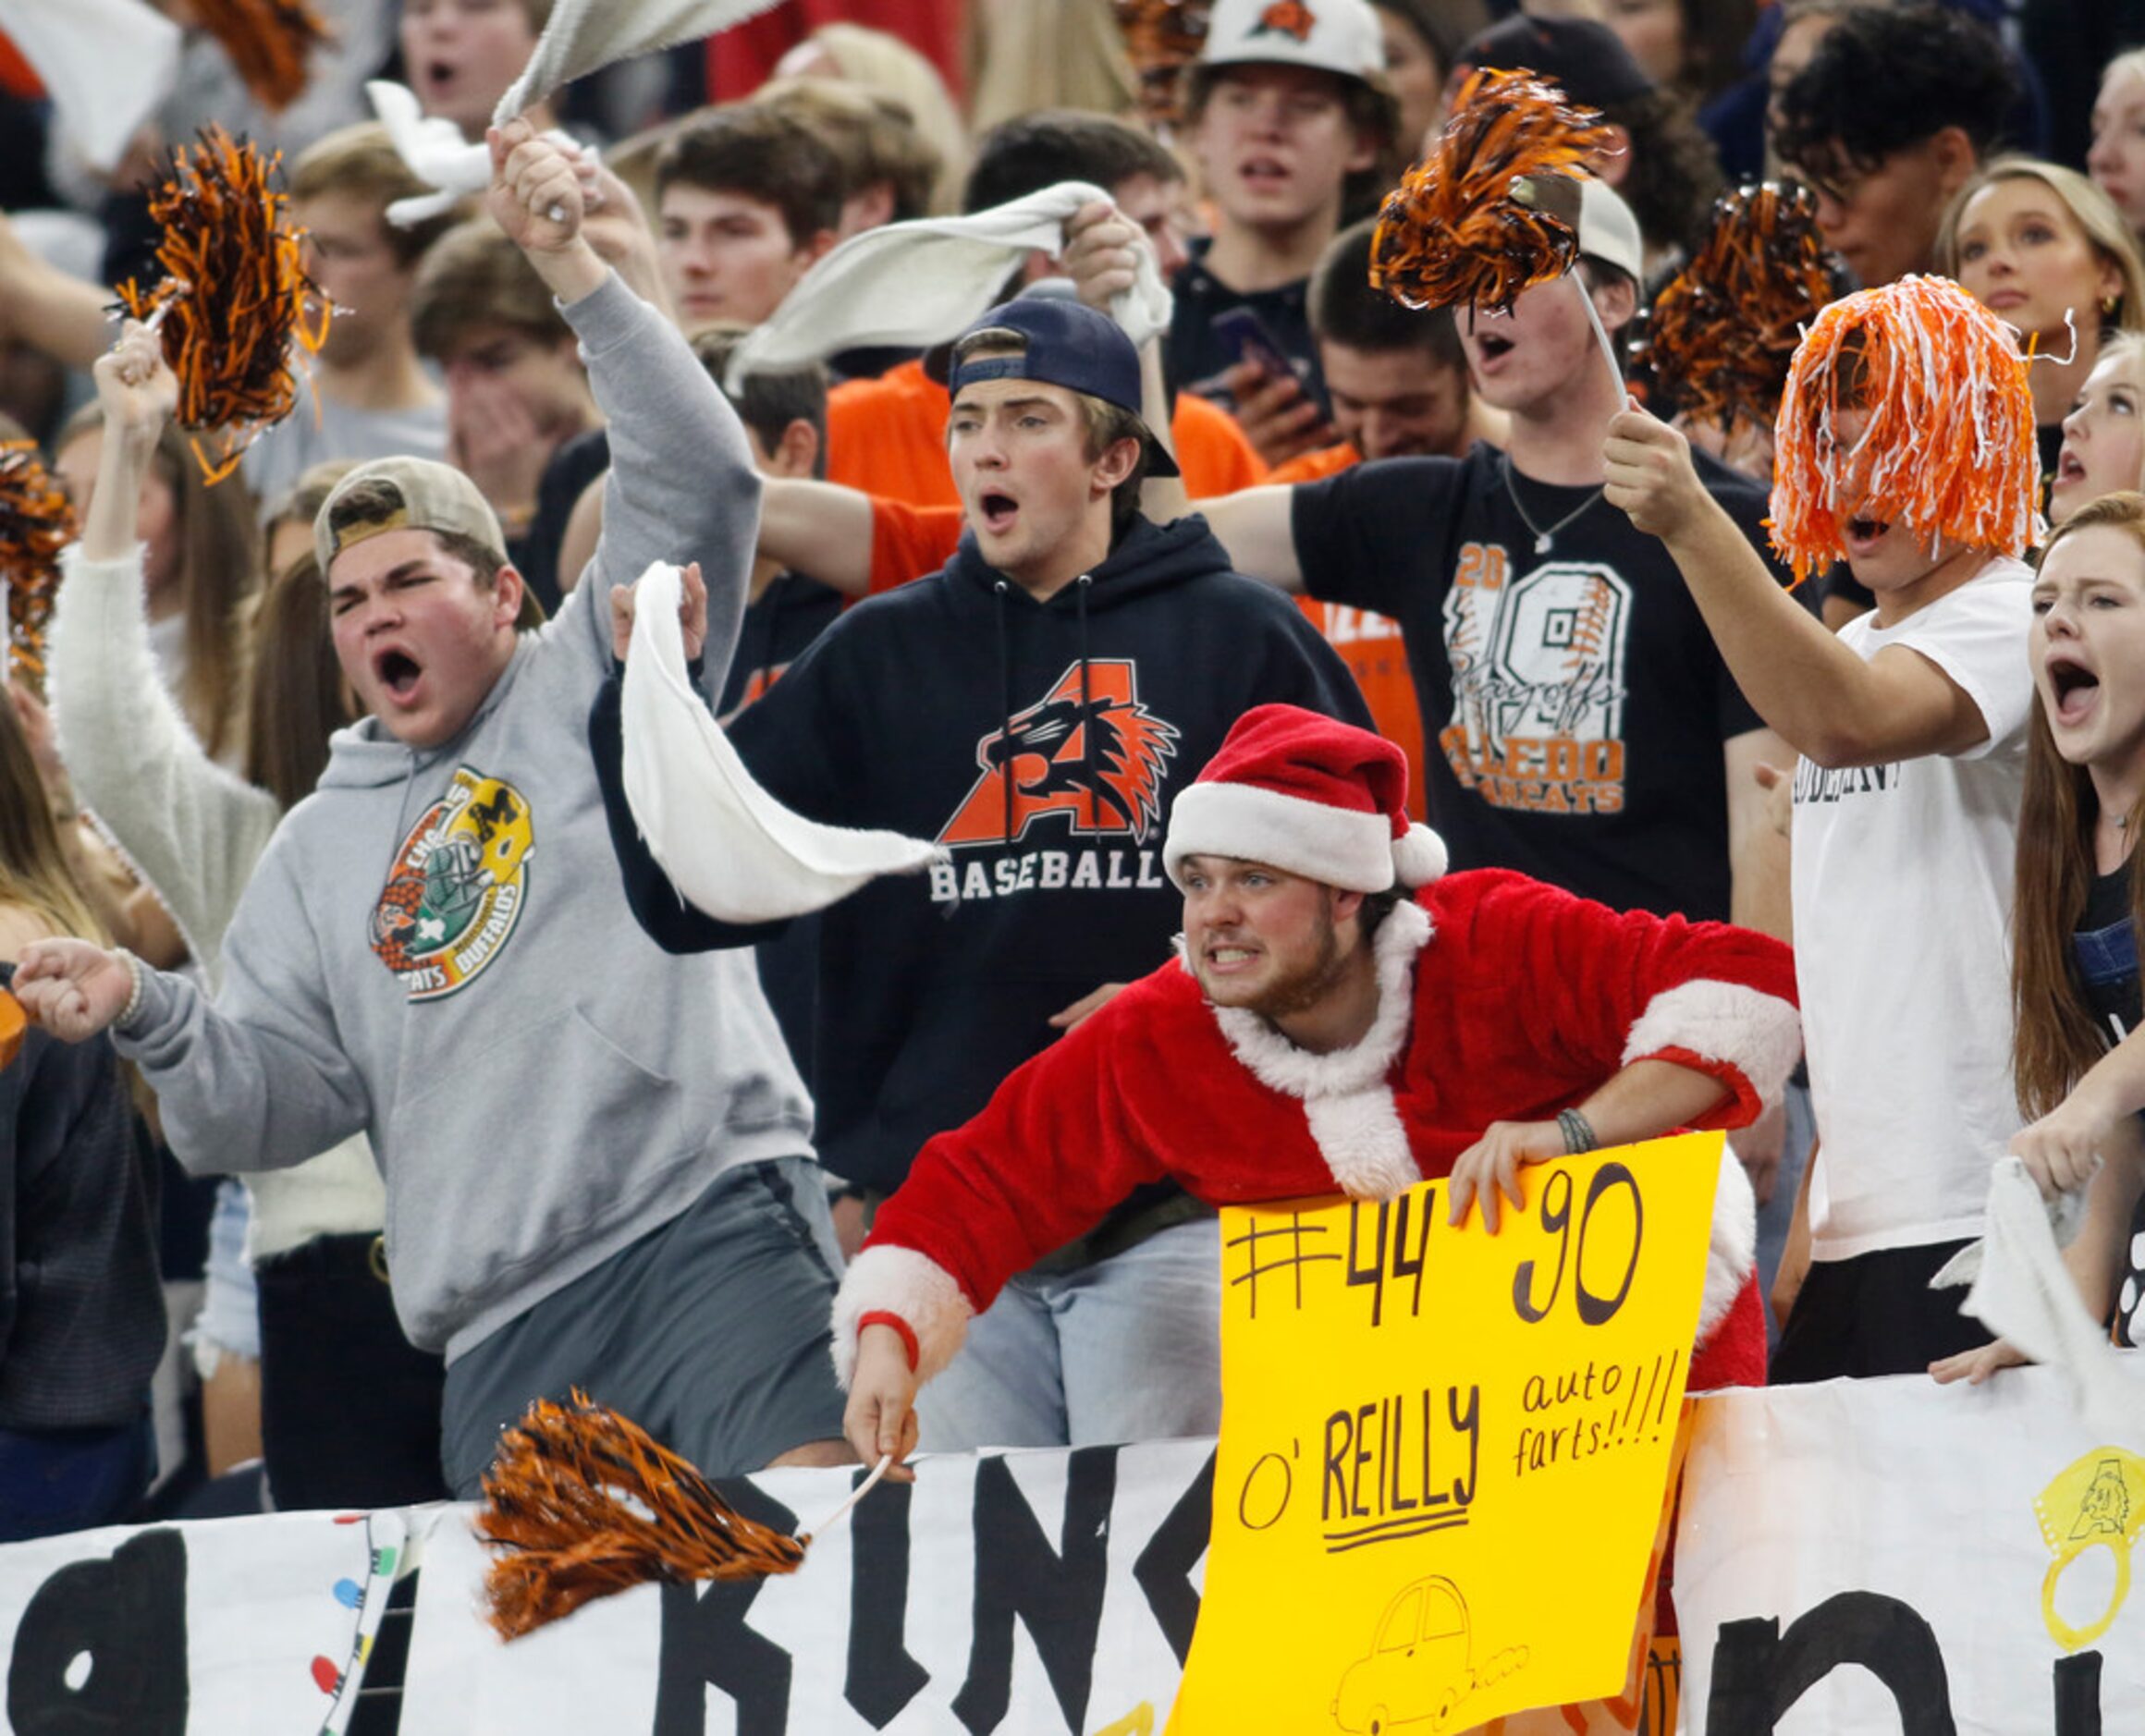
[191,829]
[823,529]
[1257,528]
[46,308]
[1823,698]
[681,485]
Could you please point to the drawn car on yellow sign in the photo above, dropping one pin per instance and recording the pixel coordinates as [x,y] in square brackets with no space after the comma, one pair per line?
[1418,1666]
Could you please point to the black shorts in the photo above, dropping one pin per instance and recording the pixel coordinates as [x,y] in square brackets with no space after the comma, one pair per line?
[1874,1314]
[711,1332]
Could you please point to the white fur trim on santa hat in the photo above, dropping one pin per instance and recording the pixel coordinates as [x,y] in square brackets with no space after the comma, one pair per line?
[900,1281]
[1732,1252]
[1347,1102]
[1756,1034]
[1312,839]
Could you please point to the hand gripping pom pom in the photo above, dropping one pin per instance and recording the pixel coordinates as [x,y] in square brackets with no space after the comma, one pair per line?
[583,1503]
[1453,233]
[1947,444]
[36,521]
[1722,334]
[234,299]
[268,42]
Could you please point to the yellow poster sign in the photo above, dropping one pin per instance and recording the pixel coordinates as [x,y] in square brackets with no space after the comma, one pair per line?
[1444,1453]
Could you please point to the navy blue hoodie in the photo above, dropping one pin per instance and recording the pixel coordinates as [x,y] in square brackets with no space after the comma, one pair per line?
[1042,743]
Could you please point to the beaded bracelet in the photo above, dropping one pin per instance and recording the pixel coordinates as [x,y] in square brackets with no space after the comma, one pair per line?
[136,979]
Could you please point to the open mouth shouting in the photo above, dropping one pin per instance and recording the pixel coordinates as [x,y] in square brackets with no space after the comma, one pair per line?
[1491,346]
[1264,174]
[2074,690]
[996,511]
[397,674]
[436,80]
[1863,534]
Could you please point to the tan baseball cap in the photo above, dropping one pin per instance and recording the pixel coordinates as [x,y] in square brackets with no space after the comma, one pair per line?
[434,497]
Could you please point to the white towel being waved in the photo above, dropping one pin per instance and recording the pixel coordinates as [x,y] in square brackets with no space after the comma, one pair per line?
[434,150]
[916,284]
[580,37]
[729,847]
[2023,1291]
[106,65]
[584,36]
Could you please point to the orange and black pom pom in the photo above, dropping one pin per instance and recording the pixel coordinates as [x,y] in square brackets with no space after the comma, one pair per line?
[268,42]
[1161,38]
[1720,335]
[235,301]
[1453,234]
[583,1503]
[37,520]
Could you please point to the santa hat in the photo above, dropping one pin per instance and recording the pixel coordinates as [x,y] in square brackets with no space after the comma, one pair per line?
[1300,791]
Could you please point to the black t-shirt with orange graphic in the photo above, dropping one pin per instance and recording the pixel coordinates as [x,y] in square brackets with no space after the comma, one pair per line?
[1574,704]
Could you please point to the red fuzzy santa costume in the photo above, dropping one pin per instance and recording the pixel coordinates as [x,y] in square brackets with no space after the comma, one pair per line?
[1500,998]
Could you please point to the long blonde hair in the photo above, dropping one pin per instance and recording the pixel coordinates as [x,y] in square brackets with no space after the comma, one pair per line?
[2054,1035]
[2112,239]
[218,567]
[886,63]
[34,875]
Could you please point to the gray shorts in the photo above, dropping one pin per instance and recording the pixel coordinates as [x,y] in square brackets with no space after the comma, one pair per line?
[710,1332]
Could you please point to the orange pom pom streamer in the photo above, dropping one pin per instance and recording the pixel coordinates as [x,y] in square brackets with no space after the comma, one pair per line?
[1722,332]
[14,1021]
[1162,37]
[268,42]
[585,1504]
[235,297]
[36,521]
[1947,447]
[1453,234]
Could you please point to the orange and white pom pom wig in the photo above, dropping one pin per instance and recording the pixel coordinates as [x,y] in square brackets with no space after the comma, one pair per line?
[1947,446]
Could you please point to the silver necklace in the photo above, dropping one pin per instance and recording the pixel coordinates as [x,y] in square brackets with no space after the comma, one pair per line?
[1542,537]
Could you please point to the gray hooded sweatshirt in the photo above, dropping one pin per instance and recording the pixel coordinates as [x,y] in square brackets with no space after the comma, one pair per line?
[436,947]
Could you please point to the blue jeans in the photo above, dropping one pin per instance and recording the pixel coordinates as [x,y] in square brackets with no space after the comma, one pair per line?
[73,1479]
[230,1314]
[1128,1349]
[1775,1216]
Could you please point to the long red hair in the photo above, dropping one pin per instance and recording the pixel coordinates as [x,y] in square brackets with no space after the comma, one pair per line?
[2055,1037]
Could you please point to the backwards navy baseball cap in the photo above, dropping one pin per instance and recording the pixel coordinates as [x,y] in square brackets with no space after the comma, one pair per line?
[1068,344]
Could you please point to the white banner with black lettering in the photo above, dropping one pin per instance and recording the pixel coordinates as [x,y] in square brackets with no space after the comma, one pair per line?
[1892,1556]
[243,1627]
[1879,1556]
[1030,1593]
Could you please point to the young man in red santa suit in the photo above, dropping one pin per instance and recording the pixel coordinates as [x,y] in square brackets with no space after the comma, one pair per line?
[1323,1030]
